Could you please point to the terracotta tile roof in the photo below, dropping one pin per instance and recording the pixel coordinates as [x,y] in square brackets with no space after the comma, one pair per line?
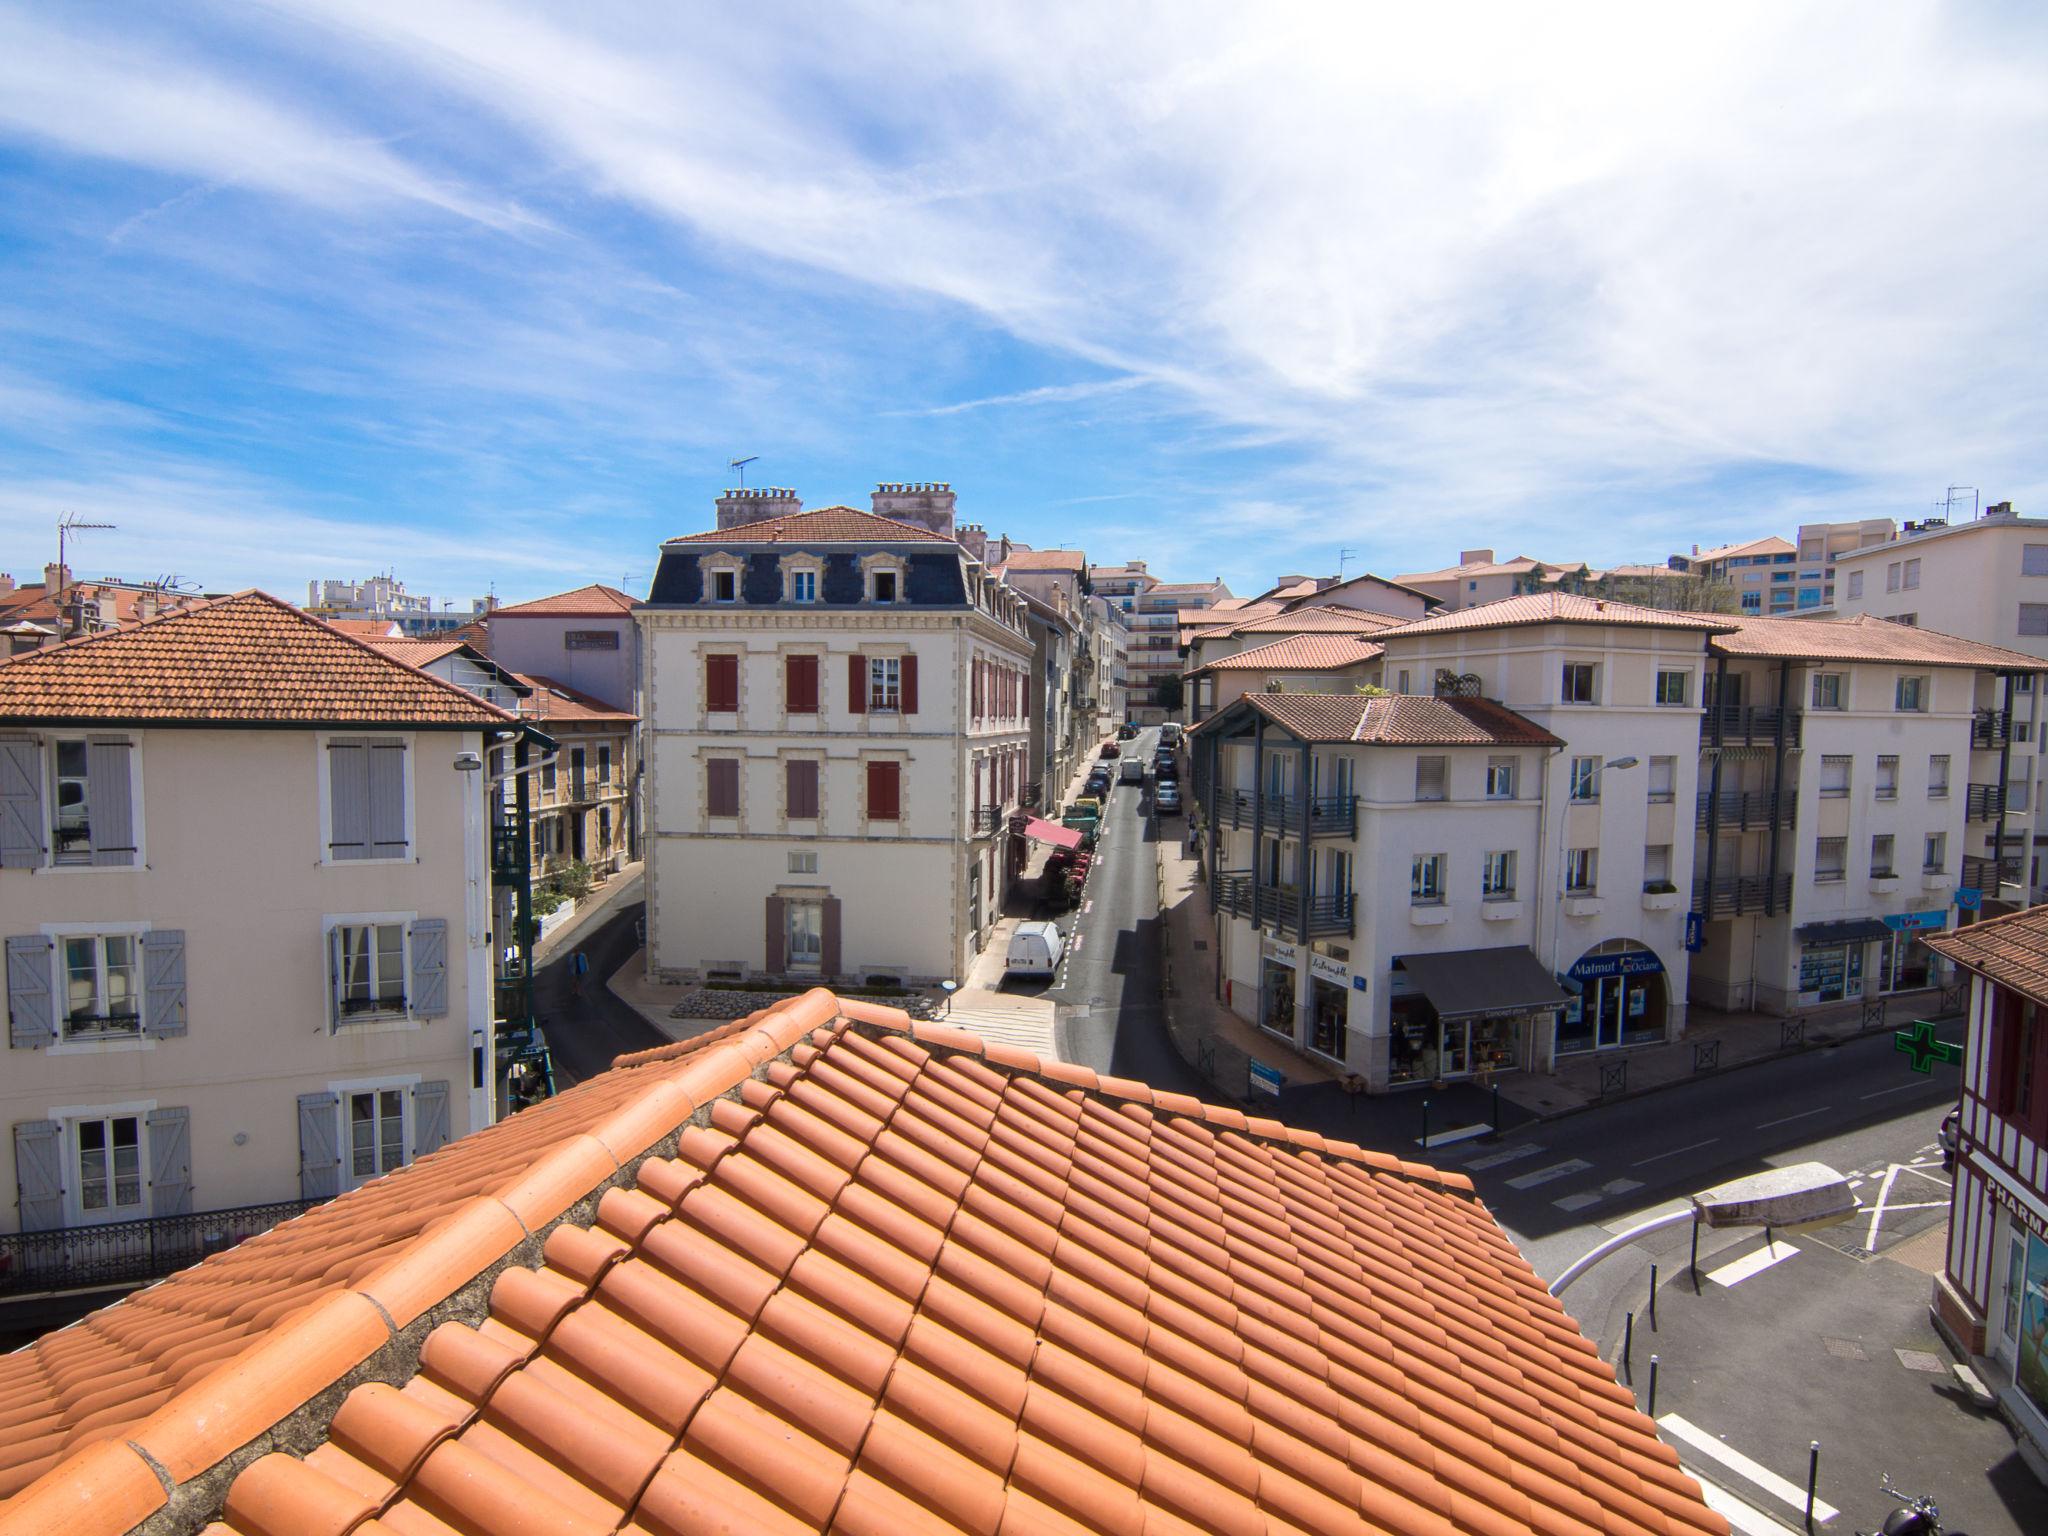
[559,704]
[2011,950]
[1520,565]
[1311,621]
[596,601]
[827,525]
[1299,653]
[413,651]
[1046,560]
[1393,720]
[1863,638]
[477,633]
[895,1280]
[369,629]
[1769,545]
[1558,608]
[244,659]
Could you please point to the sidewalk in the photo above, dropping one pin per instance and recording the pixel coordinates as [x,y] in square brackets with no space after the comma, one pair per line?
[604,899]
[653,1000]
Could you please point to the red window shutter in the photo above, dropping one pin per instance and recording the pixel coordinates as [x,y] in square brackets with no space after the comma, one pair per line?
[722,684]
[909,683]
[885,799]
[800,685]
[974,688]
[2004,1021]
[722,786]
[773,948]
[857,683]
[828,938]
[801,777]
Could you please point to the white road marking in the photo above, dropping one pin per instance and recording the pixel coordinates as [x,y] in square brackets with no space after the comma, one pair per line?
[1884,1191]
[1505,1155]
[1927,1174]
[1445,1138]
[1579,1201]
[1854,1182]
[1088,906]
[1674,1152]
[1753,1263]
[1545,1175]
[1883,1092]
[1749,1471]
[1745,1518]
[1804,1114]
[1620,1186]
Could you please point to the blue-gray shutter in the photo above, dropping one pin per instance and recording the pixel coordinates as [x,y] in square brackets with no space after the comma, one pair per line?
[348,786]
[387,800]
[39,1174]
[108,801]
[429,1117]
[31,1021]
[170,1162]
[429,999]
[319,1146]
[21,802]
[163,982]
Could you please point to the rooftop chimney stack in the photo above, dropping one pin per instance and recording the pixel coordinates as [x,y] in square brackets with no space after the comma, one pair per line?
[973,538]
[55,578]
[1475,557]
[736,508]
[928,504]
[1999,509]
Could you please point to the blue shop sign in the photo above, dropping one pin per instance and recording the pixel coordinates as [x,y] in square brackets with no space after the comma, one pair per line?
[1267,1079]
[1969,898]
[1636,962]
[1905,922]
[1695,932]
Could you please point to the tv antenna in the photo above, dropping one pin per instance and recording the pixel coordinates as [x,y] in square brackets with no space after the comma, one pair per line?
[67,525]
[1344,558]
[741,466]
[1950,500]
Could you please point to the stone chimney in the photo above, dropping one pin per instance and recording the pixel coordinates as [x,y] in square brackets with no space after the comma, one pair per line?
[739,507]
[56,578]
[974,539]
[1999,509]
[1475,557]
[927,504]
[6,582]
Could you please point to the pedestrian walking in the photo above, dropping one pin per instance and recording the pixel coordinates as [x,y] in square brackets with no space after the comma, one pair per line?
[579,967]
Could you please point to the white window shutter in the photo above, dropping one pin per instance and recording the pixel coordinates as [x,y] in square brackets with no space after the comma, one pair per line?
[31,1016]
[429,998]
[108,799]
[163,982]
[348,795]
[170,1162]
[429,1117]
[319,1146]
[387,800]
[39,1174]
[21,802]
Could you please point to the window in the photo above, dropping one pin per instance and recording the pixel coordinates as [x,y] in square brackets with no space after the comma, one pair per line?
[725,586]
[803,586]
[102,995]
[885,586]
[803,863]
[1585,778]
[722,684]
[1891,577]
[1912,694]
[804,935]
[1909,578]
[1430,775]
[1657,867]
[2016,795]
[109,1166]
[1881,855]
[604,763]
[369,969]
[376,1132]
[1663,780]
[1904,620]
[885,684]
[1830,855]
[1497,882]
[1581,682]
[72,841]
[1752,602]
[1887,778]
[1500,778]
[366,798]
[1582,870]
[800,685]
[1830,690]
[1426,880]
[722,786]
[2034,618]
[1937,776]
[547,777]
[885,791]
[1401,682]
[1855,584]
[2034,560]
[1834,777]
[800,779]
[1936,860]
[1671,687]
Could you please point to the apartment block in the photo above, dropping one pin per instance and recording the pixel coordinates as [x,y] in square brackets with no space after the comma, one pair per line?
[1153,609]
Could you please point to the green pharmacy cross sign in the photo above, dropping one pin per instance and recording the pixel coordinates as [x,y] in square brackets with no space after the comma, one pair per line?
[1920,1044]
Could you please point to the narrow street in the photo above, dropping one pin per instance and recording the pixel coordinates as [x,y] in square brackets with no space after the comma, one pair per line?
[587,1027]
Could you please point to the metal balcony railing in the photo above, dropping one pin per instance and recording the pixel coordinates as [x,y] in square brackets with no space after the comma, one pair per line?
[1328,815]
[1987,728]
[1740,896]
[1748,725]
[1329,914]
[579,786]
[987,819]
[1030,800]
[75,1258]
[1986,802]
[1977,872]
[508,858]
[1738,812]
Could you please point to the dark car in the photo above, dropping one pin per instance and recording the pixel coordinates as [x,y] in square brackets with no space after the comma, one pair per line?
[1164,767]
[1949,1134]
[1111,749]
[1126,731]
[1166,798]
[1098,785]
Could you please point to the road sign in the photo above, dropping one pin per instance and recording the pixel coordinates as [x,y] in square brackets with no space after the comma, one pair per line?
[1267,1079]
[1919,1043]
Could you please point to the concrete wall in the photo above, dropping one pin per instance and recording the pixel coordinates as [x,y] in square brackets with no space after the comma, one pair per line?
[536,645]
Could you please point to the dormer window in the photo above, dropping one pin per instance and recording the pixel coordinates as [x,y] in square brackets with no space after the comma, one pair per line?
[725,586]
[803,586]
[885,586]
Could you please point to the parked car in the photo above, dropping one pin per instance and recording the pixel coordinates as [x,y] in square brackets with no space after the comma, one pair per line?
[1099,781]
[1949,1135]
[1166,799]
[1035,950]
[1126,731]
[1170,732]
[1165,766]
[1110,749]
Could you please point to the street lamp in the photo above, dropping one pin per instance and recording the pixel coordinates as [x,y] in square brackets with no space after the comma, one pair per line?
[1795,1199]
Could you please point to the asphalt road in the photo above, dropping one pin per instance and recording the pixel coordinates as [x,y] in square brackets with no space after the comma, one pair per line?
[586,1029]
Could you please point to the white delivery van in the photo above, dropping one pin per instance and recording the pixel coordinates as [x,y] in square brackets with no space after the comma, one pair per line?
[1132,771]
[1034,950]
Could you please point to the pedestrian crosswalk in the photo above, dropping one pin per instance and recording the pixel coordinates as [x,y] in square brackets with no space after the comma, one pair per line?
[1026,1029]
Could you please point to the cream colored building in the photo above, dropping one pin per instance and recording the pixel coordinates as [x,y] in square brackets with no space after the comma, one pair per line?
[1303,663]
[244,884]
[836,722]
[1478,579]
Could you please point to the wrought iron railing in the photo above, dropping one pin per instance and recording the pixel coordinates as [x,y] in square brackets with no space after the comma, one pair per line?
[579,787]
[117,1252]
[1978,872]
[1737,897]
[1986,802]
[1232,891]
[507,857]
[1745,725]
[1738,812]
[1987,728]
[1030,799]
[1328,815]
[987,818]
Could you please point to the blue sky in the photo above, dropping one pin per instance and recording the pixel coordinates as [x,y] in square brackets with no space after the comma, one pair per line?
[490,293]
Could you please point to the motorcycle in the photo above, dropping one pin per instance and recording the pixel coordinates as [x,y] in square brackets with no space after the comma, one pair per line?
[1915,1517]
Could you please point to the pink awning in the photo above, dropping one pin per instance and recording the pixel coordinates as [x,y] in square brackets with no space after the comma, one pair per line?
[1045,831]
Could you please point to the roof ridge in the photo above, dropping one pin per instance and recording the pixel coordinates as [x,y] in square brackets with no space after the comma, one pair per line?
[363,643]
[201,605]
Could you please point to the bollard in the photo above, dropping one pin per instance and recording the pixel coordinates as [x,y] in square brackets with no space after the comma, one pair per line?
[1653,1387]
[1695,1252]
[1653,1298]
[1425,1125]
[1628,1341]
[1812,1481]
[1496,1109]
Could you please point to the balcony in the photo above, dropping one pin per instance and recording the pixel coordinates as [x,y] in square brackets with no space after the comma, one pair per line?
[1987,728]
[579,788]
[125,1252]
[508,856]
[1743,811]
[1030,800]
[986,820]
[1328,915]
[1328,815]
[1742,896]
[1748,726]
[1977,872]
[1986,803]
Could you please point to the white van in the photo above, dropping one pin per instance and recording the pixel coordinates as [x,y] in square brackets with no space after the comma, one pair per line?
[1132,771]
[1035,950]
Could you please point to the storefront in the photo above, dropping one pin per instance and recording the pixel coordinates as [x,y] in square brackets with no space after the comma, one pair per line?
[1618,997]
[1465,1012]
[1904,963]
[1329,1007]
[1278,984]
[2016,1326]
[1832,958]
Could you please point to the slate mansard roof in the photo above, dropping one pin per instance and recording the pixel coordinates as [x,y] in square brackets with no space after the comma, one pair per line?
[879,1277]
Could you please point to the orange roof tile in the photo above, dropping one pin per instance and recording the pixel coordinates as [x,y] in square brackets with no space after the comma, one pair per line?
[559,704]
[1299,653]
[1864,638]
[827,525]
[2011,950]
[413,650]
[246,659]
[894,1278]
[596,601]
[1392,720]
[1559,608]
[369,629]
[1309,621]
[1046,560]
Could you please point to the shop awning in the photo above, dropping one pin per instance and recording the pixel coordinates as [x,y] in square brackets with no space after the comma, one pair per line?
[1464,982]
[1043,831]
[1843,930]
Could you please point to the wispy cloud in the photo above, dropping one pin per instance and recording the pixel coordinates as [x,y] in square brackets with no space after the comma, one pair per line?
[1045,394]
